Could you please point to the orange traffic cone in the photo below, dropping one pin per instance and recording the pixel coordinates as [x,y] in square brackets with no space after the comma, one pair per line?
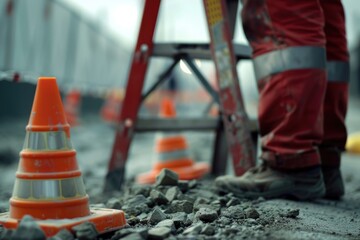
[172,154]
[71,107]
[111,107]
[214,111]
[48,184]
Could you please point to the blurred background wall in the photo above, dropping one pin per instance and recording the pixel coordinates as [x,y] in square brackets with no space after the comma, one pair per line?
[48,37]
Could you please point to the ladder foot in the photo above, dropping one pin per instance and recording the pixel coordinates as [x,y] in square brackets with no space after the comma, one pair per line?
[114,180]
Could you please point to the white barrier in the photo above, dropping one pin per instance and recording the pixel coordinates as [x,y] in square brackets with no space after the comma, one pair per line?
[47,37]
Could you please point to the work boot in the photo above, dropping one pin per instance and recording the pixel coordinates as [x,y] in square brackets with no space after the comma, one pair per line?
[263,181]
[333,183]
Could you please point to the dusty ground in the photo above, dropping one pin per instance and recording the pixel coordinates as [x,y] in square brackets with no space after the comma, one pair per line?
[321,219]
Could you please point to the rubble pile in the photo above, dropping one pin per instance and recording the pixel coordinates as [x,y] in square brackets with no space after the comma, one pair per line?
[176,209]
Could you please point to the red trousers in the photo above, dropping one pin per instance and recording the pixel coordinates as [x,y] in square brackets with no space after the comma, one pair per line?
[301,64]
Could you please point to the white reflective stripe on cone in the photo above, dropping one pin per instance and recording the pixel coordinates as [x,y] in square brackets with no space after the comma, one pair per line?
[49,189]
[45,189]
[168,156]
[47,141]
[338,71]
[291,58]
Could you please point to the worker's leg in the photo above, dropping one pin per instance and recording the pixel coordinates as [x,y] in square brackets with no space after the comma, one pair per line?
[289,57]
[288,44]
[336,96]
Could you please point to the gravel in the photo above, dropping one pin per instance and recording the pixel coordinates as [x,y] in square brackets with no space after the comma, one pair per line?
[85,231]
[28,229]
[208,230]
[63,234]
[159,233]
[173,193]
[235,212]
[113,203]
[156,216]
[136,205]
[179,219]
[6,234]
[291,213]
[233,202]
[158,197]
[167,223]
[130,233]
[206,215]
[168,212]
[180,206]
[133,236]
[252,213]
[167,178]
[193,230]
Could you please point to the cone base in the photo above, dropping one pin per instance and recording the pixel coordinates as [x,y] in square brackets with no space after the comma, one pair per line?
[71,208]
[105,220]
[185,173]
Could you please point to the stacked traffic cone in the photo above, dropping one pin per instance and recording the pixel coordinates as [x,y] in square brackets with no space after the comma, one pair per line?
[71,107]
[111,108]
[172,153]
[214,111]
[48,184]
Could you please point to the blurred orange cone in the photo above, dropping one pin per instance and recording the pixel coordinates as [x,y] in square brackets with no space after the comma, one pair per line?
[214,111]
[173,154]
[71,107]
[48,184]
[111,107]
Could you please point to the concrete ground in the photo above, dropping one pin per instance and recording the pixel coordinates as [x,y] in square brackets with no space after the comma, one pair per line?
[320,219]
[324,219]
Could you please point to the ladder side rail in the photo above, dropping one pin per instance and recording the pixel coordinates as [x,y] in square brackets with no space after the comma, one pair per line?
[127,117]
[235,118]
[232,7]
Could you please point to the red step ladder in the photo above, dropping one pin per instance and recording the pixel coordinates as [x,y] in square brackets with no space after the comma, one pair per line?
[233,128]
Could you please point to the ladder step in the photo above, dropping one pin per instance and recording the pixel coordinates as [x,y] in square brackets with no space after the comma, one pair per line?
[182,124]
[195,50]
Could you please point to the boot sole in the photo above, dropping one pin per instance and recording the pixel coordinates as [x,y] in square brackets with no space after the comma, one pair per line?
[298,192]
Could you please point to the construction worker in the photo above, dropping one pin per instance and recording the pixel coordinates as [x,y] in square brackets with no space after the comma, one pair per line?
[301,64]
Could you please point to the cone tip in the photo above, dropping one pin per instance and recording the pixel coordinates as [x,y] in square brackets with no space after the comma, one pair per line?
[47,112]
[46,82]
[43,78]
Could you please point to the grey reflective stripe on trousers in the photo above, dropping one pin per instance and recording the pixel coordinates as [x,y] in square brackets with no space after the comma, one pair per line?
[290,58]
[338,71]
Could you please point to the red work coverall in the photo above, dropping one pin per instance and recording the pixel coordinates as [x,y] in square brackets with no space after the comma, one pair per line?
[302,67]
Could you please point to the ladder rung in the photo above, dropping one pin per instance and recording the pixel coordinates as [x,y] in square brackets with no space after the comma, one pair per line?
[182,124]
[195,50]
